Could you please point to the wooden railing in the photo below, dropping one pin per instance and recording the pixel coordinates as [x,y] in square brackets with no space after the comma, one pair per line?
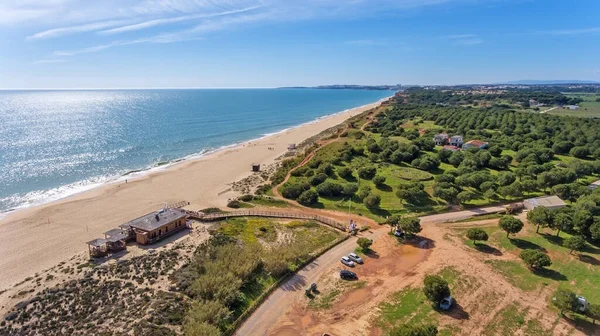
[271,214]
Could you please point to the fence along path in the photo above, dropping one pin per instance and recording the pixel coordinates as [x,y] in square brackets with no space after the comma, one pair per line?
[271,214]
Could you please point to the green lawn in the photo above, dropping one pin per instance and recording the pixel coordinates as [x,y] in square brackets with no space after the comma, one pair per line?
[588,108]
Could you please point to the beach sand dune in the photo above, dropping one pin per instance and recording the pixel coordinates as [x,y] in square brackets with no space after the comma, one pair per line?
[38,238]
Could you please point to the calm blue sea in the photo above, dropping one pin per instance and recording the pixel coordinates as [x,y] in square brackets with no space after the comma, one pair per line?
[57,143]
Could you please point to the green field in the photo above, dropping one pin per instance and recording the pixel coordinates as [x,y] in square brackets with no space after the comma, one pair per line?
[588,108]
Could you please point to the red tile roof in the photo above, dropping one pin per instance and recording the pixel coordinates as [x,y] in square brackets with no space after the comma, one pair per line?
[477,143]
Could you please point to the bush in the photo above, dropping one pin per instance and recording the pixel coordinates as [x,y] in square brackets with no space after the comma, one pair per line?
[292,191]
[246,198]
[414,330]
[344,172]
[379,180]
[565,300]
[350,189]
[330,189]
[535,259]
[367,172]
[410,225]
[579,152]
[393,220]
[364,243]
[476,234]
[435,288]
[308,197]
[363,192]
[372,201]
[318,179]
[235,204]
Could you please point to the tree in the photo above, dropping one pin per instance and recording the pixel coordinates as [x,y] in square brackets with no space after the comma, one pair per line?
[379,180]
[414,330]
[510,224]
[329,189]
[574,243]
[350,189]
[535,259]
[367,172]
[561,222]
[476,234]
[292,191]
[435,288]
[410,225]
[595,229]
[465,196]
[200,329]
[308,197]
[593,312]
[506,178]
[565,300]
[412,192]
[579,152]
[364,243]
[372,201]
[495,151]
[539,216]
[489,194]
[344,172]
[318,179]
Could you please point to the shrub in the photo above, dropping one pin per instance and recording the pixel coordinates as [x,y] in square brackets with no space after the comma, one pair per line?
[367,172]
[344,172]
[308,197]
[379,180]
[565,300]
[539,216]
[535,259]
[476,234]
[372,201]
[292,191]
[330,189]
[234,204]
[414,330]
[410,225]
[318,179]
[364,243]
[435,288]
[363,192]
[246,198]
[579,152]
[393,220]
[350,189]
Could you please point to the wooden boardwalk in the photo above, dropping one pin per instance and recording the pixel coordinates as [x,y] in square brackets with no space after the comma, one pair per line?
[264,213]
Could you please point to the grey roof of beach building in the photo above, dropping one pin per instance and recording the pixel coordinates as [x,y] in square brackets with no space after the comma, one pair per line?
[155,220]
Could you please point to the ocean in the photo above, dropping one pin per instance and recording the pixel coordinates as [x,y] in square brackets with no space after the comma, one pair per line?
[57,143]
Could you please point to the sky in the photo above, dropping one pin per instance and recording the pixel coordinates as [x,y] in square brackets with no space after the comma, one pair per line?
[273,43]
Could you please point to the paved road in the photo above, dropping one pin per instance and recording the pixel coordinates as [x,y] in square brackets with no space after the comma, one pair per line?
[460,215]
[276,305]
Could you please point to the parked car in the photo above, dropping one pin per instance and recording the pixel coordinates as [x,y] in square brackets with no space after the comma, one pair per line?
[446,303]
[346,261]
[354,257]
[347,275]
[398,233]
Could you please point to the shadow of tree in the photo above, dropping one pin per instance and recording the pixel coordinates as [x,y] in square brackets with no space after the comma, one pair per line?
[526,245]
[581,323]
[485,248]
[418,242]
[553,239]
[295,283]
[588,259]
[371,254]
[384,187]
[457,312]
[550,274]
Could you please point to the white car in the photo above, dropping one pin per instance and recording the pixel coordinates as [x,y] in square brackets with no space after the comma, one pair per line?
[354,257]
[346,261]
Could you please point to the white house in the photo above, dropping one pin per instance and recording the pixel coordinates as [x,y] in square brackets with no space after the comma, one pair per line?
[572,107]
[456,141]
[440,139]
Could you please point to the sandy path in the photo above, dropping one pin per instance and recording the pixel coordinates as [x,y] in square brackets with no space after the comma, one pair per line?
[461,215]
[276,305]
[38,238]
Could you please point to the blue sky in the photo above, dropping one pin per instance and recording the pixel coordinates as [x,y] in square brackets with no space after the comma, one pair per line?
[269,43]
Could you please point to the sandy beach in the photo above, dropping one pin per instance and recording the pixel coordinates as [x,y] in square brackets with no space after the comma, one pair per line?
[37,238]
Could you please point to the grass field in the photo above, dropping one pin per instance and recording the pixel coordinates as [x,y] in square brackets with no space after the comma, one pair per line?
[588,108]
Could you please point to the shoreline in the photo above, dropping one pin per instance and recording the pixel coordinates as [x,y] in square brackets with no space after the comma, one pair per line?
[38,237]
[79,187]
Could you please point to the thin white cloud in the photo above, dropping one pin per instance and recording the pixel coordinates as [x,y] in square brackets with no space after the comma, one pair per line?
[461,36]
[471,41]
[571,31]
[158,22]
[367,42]
[56,32]
[47,61]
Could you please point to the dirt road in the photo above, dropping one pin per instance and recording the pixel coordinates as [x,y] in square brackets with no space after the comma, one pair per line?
[461,215]
[279,301]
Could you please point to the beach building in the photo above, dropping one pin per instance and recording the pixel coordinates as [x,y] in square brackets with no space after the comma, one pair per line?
[456,141]
[550,202]
[440,139]
[255,167]
[155,226]
[451,148]
[475,143]
[291,146]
